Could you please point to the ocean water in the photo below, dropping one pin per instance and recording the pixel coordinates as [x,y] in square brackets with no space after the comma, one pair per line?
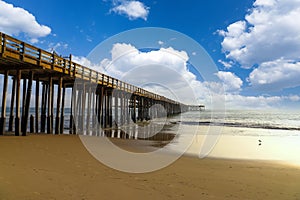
[270,119]
[67,112]
[240,134]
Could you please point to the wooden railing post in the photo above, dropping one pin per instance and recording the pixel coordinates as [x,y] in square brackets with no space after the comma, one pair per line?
[39,57]
[22,51]
[3,45]
[1,40]
[53,61]
[64,65]
[70,64]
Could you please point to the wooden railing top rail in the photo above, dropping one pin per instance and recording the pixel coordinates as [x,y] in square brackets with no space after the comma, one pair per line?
[24,52]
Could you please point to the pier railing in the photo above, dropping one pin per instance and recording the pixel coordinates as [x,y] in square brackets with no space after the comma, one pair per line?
[19,51]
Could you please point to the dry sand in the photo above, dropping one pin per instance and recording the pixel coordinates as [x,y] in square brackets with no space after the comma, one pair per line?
[59,167]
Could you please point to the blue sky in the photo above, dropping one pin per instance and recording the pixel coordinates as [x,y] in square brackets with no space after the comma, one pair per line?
[252,42]
[91,22]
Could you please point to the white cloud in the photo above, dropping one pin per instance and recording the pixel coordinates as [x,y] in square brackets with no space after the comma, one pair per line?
[264,2]
[267,33]
[56,46]
[252,102]
[162,71]
[268,38]
[160,42]
[237,101]
[231,82]
[15,20]
[89,38]
[34,40]
[294,98]
[132,9]
[87,63]
[125,56]
[227,65]
[276,74]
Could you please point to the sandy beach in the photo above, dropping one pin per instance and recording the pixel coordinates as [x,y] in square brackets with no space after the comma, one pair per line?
[59,167]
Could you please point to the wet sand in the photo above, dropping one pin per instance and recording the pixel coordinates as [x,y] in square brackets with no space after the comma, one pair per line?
[59,167]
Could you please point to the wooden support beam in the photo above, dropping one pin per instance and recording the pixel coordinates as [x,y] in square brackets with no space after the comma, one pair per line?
[121,108]
[37,99]
[58,103]
[17,119]
[100,110]
[83,108]
[24,97]
[134,109]
[50,105]
[106,121]
[146,110]
[73,109]
[141,109]
[110,98]
[77,115]
[62,116]
[12,101]
[94,113]
[101,107]
[116,95]
[27,104]
[127,109]
[31,124]
[3,113]
[89,105]
[97,112]
[43,107]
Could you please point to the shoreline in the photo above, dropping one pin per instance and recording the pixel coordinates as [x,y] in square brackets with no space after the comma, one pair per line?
[59,167]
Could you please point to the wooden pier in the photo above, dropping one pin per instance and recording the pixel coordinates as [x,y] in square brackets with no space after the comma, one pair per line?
[98,101]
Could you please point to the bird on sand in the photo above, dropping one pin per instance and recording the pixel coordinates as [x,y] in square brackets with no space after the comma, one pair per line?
[259,142]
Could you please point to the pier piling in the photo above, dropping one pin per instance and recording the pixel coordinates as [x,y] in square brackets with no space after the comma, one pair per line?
[58,104]
[50,104]
[37,99]
[12,101]
[27,104]
[17,119]
[3,113]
